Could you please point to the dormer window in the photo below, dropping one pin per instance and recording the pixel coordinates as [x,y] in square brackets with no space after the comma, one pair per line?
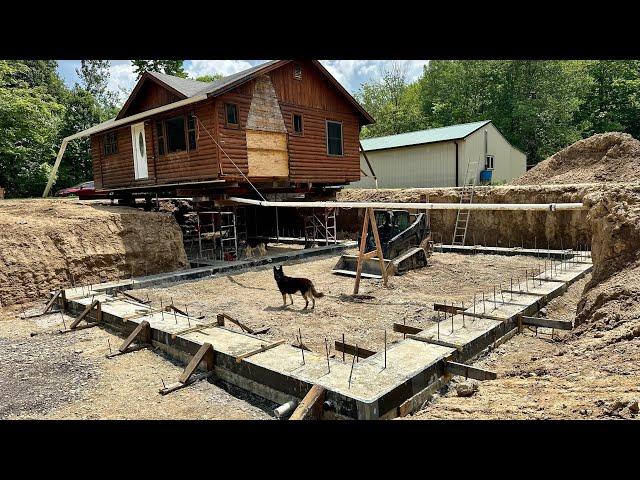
[297,72]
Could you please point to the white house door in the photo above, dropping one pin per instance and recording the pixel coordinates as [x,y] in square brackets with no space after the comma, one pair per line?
[139,151]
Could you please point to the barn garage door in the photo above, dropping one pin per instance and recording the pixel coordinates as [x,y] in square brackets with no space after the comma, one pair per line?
[266,133]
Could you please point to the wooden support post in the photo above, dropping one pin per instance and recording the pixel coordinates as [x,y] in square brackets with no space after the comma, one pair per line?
[376,236]
[311,405]
[369,218]
[206,354]
[363,246]
[351,350]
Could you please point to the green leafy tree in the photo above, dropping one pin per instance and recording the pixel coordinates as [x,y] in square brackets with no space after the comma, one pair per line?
[30,118]
[392,102]
[611,100]
[94,78]
[210,77]
[170,67]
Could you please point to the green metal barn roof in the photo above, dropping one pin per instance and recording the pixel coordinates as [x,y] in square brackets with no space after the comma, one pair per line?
[442,134]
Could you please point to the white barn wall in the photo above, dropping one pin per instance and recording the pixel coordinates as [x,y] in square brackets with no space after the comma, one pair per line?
[509,162]
[430,165]
[433,164]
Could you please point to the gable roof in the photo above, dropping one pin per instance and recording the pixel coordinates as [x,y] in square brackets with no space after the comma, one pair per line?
[432,135]
[186,88]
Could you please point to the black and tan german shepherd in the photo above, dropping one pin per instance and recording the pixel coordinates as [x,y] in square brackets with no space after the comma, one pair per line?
[289,285]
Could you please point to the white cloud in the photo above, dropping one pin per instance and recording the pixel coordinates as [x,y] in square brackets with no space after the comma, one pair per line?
[352,73]
[122,78]
[197,68]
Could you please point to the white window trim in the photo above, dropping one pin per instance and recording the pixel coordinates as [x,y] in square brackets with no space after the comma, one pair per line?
[326,130]
[493,165]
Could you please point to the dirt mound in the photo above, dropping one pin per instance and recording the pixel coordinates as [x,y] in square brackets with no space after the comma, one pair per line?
[611,301]
[605,157]
[47,244]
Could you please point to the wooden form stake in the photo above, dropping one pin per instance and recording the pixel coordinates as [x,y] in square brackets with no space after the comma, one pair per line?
[74,325]
[141,334]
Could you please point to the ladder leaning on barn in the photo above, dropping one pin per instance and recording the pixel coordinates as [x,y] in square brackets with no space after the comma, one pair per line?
[466,198]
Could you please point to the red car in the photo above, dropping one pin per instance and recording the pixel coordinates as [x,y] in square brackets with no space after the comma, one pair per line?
[84,190]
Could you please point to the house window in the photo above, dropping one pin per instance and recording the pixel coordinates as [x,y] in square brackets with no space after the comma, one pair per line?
[297,72]
[176,141]
[488,162]
[160,135]
[297,124]
[110,143]
[231,110]
[334,138]
[191,131]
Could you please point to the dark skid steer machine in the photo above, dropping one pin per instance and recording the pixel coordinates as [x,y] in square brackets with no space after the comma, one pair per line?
[406,244]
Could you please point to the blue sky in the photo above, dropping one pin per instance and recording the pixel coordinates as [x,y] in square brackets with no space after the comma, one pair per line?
[350,73]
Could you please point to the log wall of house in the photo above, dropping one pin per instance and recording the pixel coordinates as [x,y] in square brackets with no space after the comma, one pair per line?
[318,100]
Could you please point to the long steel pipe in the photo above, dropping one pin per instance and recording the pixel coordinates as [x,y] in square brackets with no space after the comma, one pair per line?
[549,207]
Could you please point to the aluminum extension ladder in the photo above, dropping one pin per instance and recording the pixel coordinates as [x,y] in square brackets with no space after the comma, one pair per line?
[466,197]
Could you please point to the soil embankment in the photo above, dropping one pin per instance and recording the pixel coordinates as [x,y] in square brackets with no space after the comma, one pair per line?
[604,157]
[47,244]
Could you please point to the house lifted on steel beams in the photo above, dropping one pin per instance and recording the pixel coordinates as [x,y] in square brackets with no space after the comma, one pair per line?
[285,125]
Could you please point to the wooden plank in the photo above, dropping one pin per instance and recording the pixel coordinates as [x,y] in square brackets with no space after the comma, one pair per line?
[439,307]
[205,353]
[262,348]
[311,405]
[79,327]
[467,371]
[52,301]
[435,341]
[376,236]
[402,328]
[242,326]
[301,345]
[547,322]
[197,328]
[141,332]
[86,311]
[128,295]
[363,243]
[351,350]
[178,385]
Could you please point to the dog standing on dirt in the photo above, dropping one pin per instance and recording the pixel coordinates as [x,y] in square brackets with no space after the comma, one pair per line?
[289,285]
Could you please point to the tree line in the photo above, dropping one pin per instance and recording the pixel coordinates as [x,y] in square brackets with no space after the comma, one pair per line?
[37,110]
[540,106]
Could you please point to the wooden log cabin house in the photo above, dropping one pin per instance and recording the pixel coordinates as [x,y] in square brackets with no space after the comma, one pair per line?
[285,126]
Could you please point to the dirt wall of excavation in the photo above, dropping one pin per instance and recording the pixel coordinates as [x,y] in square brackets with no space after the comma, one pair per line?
[46,244]
[502,228]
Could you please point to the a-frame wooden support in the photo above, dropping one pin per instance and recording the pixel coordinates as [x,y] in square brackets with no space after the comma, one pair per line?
[311,405]
[369,218]
[141,335]
[75,325]
[205,353]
